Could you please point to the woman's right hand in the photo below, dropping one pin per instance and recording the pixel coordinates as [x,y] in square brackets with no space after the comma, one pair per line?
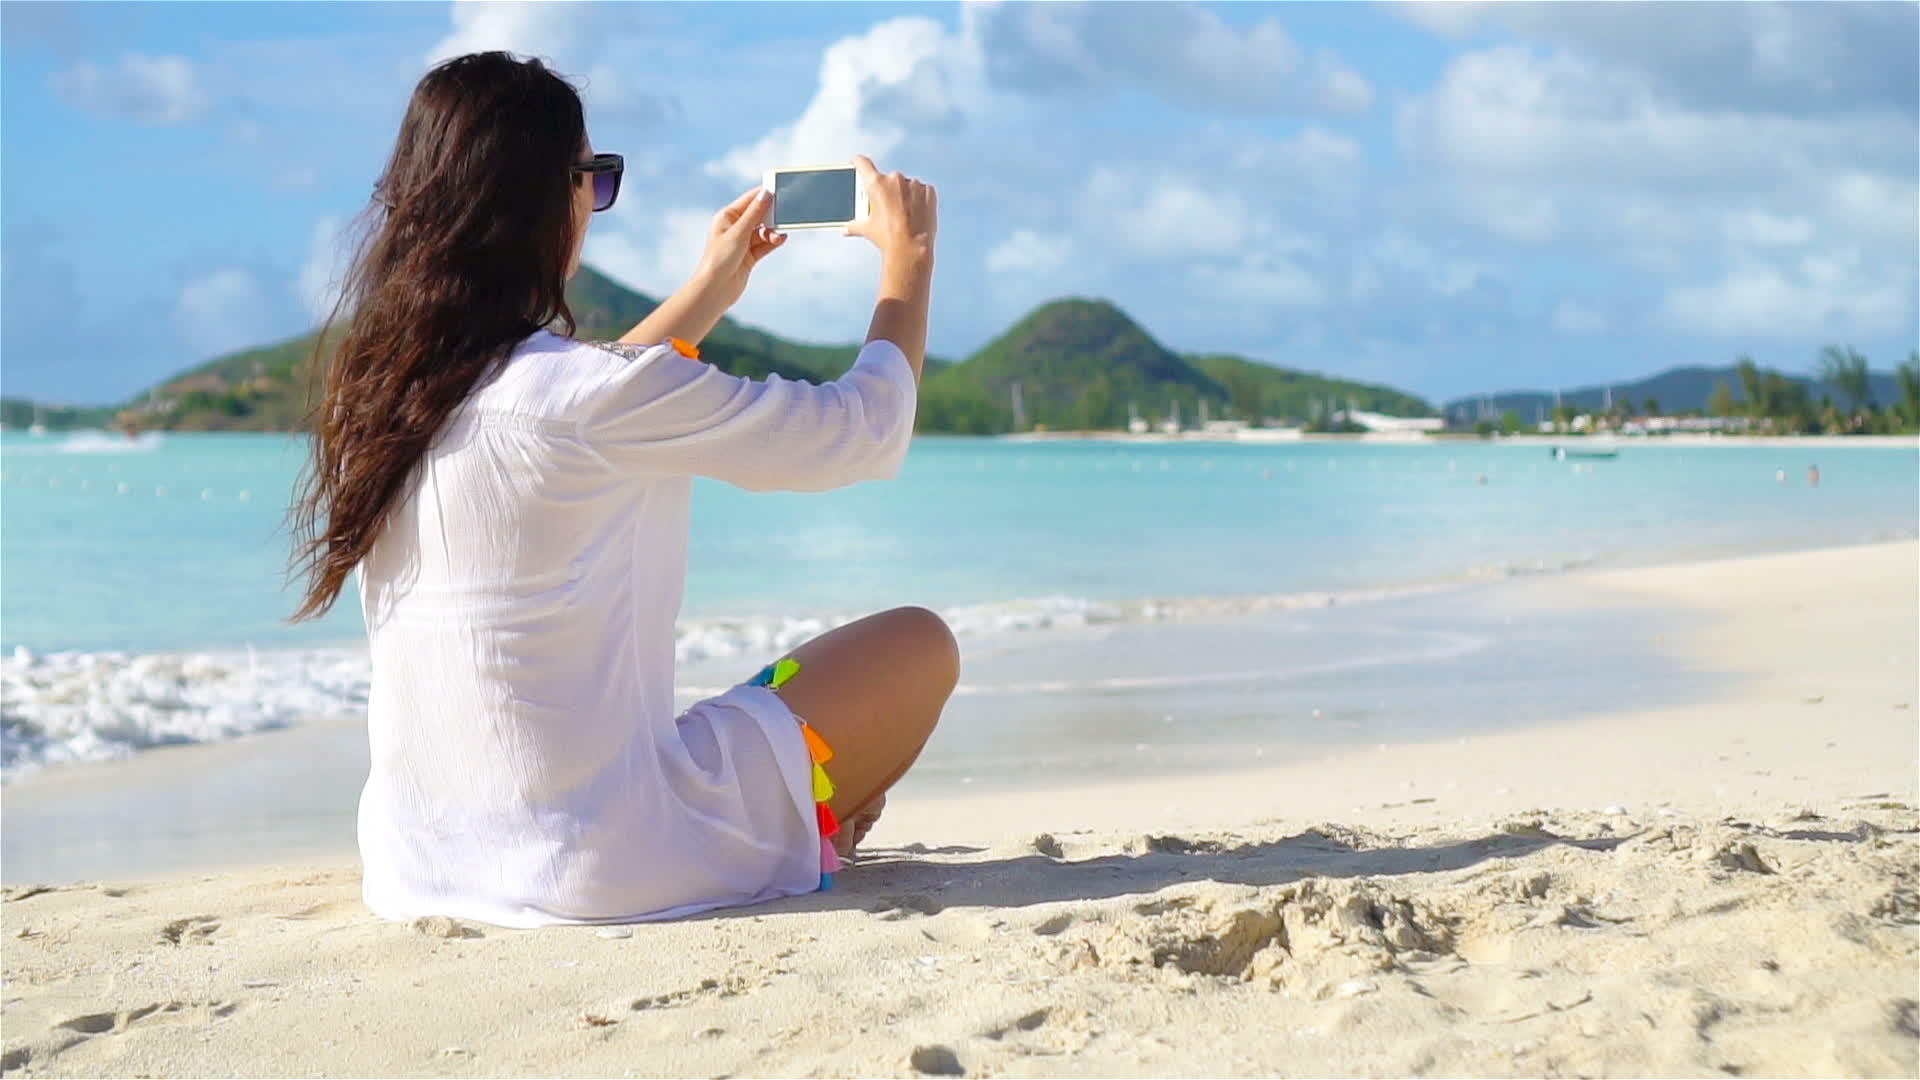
[902,213]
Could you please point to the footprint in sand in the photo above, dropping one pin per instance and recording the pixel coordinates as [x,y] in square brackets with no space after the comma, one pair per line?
[102,1022]
[1054,925]
[1028,1022]
[192,930]
[732,986]
[73,1031]
[935,1060]
[1048,1031]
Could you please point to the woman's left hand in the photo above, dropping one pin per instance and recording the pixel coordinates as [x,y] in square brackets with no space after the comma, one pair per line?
[737,242]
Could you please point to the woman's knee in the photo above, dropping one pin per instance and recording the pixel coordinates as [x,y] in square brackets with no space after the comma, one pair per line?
[934,648]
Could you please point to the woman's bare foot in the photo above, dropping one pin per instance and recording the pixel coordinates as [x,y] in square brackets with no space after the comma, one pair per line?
[855,829]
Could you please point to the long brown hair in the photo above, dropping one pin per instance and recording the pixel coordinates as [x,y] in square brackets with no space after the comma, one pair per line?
[467,247]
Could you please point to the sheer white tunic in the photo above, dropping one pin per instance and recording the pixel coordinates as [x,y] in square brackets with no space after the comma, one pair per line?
[528,766]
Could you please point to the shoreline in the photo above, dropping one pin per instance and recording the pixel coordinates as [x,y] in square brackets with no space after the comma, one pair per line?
[1282,436]
[699,675]
[1688,888]
[1286,436]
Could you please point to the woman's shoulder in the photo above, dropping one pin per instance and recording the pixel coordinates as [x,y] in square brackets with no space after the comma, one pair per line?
[590,362]
[551,375]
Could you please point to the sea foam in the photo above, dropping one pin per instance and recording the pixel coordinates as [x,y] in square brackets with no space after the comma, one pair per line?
[65,707]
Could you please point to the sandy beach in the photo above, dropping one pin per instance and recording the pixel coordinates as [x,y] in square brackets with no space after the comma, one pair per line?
[1728,887]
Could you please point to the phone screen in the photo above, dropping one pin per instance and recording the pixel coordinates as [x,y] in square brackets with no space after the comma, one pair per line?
[812,197]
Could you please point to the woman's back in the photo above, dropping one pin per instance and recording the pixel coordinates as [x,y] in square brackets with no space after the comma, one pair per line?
[520,601]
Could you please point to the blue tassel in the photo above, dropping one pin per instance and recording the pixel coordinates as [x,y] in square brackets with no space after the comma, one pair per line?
[826,882]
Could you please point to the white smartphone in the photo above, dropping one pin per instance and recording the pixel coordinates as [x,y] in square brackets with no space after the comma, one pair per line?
[815,197]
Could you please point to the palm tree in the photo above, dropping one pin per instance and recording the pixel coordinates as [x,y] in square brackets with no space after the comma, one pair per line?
[1750,386]
[1846,371]
[1909,375]
[1720,403]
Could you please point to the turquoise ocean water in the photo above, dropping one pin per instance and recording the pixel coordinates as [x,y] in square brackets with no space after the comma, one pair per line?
[176,542]
[143,599]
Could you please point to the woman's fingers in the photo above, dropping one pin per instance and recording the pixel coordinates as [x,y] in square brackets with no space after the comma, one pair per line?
[732,210]
[751,214]
[764,244]
[736,213]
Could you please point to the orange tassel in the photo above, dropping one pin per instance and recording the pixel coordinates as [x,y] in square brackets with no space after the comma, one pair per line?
[817,747]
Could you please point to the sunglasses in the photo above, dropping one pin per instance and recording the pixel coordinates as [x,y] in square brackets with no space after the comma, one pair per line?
[606,170]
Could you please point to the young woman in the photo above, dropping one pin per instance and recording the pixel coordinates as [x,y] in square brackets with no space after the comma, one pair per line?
[516,503]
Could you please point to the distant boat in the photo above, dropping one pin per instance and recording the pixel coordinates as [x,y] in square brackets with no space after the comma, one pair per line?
[39,426]
[1598,450]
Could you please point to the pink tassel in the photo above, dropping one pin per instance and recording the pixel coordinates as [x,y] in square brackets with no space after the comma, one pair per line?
[829,858]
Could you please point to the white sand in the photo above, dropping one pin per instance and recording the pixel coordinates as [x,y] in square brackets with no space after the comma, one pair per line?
[1707,889]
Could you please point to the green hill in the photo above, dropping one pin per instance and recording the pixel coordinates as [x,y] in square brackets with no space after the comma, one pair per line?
[266,388]
[1255,389]
[1083,364]
[1078,363]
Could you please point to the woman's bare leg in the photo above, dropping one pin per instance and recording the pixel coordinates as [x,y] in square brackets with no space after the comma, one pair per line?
[873,689]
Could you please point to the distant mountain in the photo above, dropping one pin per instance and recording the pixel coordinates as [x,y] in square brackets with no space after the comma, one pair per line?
[605,309]
[1077,363]
[1263,390]
[1679,390]
[1083,364]
[267,388]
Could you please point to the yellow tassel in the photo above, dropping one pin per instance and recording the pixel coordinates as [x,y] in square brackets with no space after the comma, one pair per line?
[822,787]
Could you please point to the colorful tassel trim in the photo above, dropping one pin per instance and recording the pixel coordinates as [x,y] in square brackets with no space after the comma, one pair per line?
[773,677]
[685,348]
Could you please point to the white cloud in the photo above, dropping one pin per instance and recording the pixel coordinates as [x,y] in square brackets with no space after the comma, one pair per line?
[1573,317]
[1261,277]
[1027,251]
[1645,207]
[1607,160]
[573,38]
[875,89]
[158,90]
[1314,154]
[1820,298]
[328,256]
[546,30]
[1789,58]
[900,78]
[1399,253]
[1182,52]
[1167,216]
[1757,228]
[222,311]
[912,92]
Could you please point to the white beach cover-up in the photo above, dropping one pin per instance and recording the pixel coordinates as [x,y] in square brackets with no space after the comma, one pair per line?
[528,767]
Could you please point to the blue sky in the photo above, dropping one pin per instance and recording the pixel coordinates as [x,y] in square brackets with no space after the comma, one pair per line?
[1452,198]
